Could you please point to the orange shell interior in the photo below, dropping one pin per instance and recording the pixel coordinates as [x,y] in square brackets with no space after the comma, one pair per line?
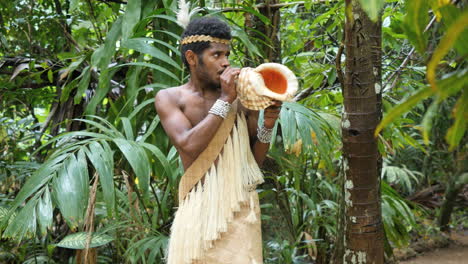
[274,80]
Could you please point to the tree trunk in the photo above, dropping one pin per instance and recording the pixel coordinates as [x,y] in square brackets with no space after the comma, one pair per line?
[363,229]
[453,188]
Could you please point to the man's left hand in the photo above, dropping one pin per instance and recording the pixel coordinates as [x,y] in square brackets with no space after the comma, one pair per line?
[271,114]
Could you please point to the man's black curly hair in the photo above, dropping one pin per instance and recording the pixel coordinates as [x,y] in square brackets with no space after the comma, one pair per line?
[210,26]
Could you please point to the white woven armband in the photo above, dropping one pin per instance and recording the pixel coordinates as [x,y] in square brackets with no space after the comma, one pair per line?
[220,108]
[264,134]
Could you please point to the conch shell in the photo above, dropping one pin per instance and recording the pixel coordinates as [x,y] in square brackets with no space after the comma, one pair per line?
[257,88]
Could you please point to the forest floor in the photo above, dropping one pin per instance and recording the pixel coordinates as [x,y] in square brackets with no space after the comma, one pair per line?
[455,252]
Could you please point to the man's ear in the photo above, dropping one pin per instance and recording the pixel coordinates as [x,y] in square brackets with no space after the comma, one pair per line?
[191,58]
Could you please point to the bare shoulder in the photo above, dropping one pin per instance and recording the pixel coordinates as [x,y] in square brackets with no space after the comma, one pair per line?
[167,99]
[168,95]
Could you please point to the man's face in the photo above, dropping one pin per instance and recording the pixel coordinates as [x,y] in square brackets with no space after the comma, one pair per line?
[212,62]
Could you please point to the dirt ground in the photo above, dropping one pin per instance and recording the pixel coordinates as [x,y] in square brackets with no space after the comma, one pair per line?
[456,253]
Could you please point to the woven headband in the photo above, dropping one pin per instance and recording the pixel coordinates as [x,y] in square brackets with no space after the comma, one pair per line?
[202,38]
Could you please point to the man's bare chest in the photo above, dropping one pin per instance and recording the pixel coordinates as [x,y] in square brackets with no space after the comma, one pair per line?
[196,110]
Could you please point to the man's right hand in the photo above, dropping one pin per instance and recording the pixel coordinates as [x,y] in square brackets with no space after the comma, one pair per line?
[228,81]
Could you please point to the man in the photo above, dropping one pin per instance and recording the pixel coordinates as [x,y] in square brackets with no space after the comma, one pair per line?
[221,148]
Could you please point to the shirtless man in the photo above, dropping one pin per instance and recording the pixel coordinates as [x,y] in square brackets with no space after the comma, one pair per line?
[189,117]
[183,110]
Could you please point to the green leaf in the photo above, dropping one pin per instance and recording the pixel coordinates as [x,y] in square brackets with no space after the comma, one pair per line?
[138,159]
[101,156]
[160,156]
[128,128]
[404,107]
[83,85]
[153,66]
[372,8]
[131,18]
[416,20]
[140,107]
[50,76]
[73,5]
[36,181]
[452,83]
[150,129]
[456,132]
[78,240]
[71,189]
[142,45]
[5,213]
[447,42]
[427,120]
[24,224]
[44,212]
[133,79]
[450,14]
[105,55]
[102,90]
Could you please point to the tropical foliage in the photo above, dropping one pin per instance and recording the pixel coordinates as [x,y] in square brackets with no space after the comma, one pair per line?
[86,167]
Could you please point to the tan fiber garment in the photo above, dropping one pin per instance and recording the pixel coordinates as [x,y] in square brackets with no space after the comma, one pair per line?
[219,221]
[242,243]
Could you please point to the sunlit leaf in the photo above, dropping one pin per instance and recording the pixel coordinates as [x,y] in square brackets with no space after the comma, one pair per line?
[372,7]
[447,42]
[403,107]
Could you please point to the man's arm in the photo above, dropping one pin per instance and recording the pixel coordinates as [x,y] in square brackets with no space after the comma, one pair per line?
[190,140]
[271,114]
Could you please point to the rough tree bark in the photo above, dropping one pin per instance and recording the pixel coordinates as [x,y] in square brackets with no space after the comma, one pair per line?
[363,229]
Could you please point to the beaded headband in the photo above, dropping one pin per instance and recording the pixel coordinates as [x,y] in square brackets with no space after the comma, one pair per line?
[202,38]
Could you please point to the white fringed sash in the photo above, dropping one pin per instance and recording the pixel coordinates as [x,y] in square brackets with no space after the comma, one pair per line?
[208,208]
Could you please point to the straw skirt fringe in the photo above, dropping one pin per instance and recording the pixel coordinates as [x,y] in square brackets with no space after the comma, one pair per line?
[219,221]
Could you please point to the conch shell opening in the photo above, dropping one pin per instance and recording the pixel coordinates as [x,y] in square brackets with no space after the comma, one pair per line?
[257,88]
[274,81]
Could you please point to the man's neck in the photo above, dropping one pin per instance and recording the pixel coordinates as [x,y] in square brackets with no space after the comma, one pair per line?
[204,89]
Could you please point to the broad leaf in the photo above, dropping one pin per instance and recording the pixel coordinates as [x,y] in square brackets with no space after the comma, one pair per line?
[24,223]
[78,240]
[101,156]
[44,212]
[71,189]
[138,159]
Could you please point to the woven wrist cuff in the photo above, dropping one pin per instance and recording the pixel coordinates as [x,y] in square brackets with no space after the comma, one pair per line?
[264,134]
[220,108]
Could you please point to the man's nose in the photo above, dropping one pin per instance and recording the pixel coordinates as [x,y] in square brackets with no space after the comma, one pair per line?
[225,62]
